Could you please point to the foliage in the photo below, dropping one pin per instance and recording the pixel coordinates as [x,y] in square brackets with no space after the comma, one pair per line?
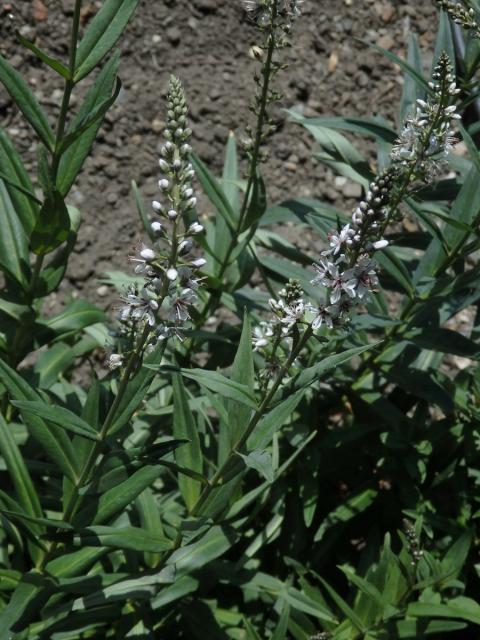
[320,481]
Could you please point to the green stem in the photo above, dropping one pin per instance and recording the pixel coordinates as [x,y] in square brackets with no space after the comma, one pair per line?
[74,501]
[262,113]
[254,420]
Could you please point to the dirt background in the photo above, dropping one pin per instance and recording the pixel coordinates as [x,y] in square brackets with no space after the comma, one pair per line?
[206,43]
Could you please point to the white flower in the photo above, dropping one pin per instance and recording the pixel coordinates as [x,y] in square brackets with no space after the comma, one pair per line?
[195,227]
[261,335]
[324,315]
[139,306]
[145,256]
[338,240]
[179,305]
[115,361]
[172,274]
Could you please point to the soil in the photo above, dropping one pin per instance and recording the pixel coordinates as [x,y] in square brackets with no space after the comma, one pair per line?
[206,43]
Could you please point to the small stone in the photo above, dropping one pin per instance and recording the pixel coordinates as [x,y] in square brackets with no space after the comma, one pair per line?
[173,35]
[156,38]
[352,190]
[103,291]
[158,125]
[206,6]
[387,12]
[386,42]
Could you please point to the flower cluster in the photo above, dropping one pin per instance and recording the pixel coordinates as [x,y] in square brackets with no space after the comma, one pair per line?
[347,269]
[466,18]
[169,267]
[261,10]
[275,19]
[427,136]
[289,310]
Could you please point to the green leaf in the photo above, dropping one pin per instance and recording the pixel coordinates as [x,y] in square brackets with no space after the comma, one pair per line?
[189,455]
[352,507]
[76,316]
[142,214]
[58,416]
[220,384]
[196,555]
[41,55]
[412,91]
[444,341]
[102,34]
[395,267]
[311,374]
[72,160]
[52,363]
[460,607]
[444,42]
[14,258]
[137,388]
[242,372]
[408,68]
[366,126]
[258,203]
[262,462]
[54,440]
[52,225]
[30,595]
[214,192]
[117,499]
[150,521]
[14,173]
[230,173]
[273,421]
[26,102]
[18,471]
[343,606]
[132,538]
[96,115]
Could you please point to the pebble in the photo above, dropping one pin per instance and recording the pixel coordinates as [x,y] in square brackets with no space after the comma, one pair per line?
[174,35]
[352,190]
[386,42]
[103,291]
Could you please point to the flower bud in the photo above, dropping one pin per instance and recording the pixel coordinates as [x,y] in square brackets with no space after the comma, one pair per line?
[147,254]
[172,274]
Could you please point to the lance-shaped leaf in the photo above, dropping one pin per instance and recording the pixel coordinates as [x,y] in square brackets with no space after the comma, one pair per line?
[59,416]
[132,538]
[75,317]
[96,115]
[311,374]
[117,498]
[56,65]
[220,384]
[74,157]
[214,192]
[102,34]
[18,471]
[190,454]
[54,440]
[26,102]
[52,226]
[14,257]
[14,173]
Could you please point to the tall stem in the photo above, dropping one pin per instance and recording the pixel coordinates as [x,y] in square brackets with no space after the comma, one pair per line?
[254,420]
[67,94]
[252,170]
